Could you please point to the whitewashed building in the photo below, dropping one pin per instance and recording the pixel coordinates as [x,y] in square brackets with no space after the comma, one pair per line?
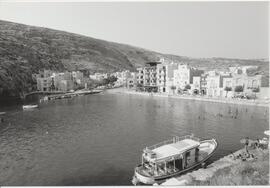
[213,84]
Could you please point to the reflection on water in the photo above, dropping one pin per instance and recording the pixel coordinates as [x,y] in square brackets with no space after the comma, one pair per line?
[98,139]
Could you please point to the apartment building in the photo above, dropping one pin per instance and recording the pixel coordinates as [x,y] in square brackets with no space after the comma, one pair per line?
[44,80]
[140,76]
[184,74]
[196,85]
[77,77]
[203,84]
[44,84]
[122,77]
[161,77]
[170,68]
[150,76]
[213,84]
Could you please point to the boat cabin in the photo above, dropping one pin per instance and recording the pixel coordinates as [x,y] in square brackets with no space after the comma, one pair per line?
[171,156]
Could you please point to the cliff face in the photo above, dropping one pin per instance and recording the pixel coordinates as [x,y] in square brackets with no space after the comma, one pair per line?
[26,49]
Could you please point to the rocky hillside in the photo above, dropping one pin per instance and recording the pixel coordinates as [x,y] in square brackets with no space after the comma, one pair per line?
[26,49]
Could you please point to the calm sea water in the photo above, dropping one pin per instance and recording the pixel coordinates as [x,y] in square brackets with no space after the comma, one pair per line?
[98,139]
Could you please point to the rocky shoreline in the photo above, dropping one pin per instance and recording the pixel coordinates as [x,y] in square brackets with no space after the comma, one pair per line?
[229,171]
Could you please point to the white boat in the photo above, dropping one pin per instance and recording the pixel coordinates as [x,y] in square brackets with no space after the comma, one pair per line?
[25,107]
[173,157]
[1,118]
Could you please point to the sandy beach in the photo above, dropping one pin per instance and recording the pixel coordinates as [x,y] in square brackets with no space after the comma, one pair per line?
[197,98]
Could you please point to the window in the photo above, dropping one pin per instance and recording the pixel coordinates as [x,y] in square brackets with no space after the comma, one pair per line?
[254,83]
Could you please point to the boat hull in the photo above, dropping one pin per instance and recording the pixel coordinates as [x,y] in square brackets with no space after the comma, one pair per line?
[150,180]
[30,107]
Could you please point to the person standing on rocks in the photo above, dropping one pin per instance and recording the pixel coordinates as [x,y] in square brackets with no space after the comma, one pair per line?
[246,145]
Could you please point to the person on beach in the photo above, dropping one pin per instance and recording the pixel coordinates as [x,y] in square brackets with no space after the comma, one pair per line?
[246,145]
[236,112]
[229,112]
[233,156]
[257,142]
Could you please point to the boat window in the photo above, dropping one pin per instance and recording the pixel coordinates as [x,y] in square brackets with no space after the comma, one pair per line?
[178,164]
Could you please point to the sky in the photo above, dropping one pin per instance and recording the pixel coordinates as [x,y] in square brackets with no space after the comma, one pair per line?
[195,29]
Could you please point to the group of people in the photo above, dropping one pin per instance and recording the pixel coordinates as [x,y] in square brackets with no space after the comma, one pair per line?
[251,144]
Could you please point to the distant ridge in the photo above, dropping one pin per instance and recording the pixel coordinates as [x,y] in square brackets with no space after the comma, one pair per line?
[26,49]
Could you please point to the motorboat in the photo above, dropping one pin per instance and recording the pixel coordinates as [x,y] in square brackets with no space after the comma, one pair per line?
[2,113]
[25,107]
[173,157]
[1,118]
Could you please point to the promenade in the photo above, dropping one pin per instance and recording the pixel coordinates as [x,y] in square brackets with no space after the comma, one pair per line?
[256,102]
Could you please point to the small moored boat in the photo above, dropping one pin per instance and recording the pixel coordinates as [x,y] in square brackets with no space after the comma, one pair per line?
[25,107]
[173,157]
[1,118]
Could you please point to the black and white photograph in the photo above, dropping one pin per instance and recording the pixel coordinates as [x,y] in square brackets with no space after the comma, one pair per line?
[134,93]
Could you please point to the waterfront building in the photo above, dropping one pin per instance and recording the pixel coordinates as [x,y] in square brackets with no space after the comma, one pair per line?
[98,76]
[140,76]
[203,84]
[131,81]
[77,77]
[64,81]
[161,77]
[122,77]
[181,76]
[170,67]
[213,84]
[254,81]
[44,80]
[196,85]
[66,85]
[150,77]
[184,74]
[248,83]
[44,84]
[228,86]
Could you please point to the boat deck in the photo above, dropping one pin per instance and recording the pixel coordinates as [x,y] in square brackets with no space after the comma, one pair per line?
[173,149]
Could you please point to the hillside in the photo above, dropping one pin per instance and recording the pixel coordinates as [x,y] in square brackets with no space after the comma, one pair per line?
[26,49]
